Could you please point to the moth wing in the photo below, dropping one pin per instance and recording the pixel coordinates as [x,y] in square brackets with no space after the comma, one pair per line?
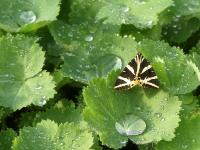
[124,80]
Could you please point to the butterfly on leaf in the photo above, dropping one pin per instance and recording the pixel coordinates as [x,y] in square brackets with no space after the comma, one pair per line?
[137,72]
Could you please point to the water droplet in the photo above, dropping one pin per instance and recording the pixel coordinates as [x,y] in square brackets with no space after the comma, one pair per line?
[165,33]
[4,78]
[89,38]
[190,8]
[69,54]
[162,119]
[130,125]
[138,108]
[118,63]
[175,32]
[126,9]
[12,64]
[70,34]
[78,71]
[93,29]
[123,21]
[38,87]
[150,22]
[41,102]
[140,1]
[28,16]
[184,146]
[123,142]
[159,115]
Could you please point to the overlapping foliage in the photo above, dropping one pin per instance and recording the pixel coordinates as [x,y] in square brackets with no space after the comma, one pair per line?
[59,60]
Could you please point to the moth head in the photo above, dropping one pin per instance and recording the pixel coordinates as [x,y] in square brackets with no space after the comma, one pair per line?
[137,82]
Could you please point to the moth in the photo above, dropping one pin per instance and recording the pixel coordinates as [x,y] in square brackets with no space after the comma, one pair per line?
[137,72]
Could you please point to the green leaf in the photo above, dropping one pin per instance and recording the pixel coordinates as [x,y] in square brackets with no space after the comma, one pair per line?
[6,137]
[106,108]
[92,51]
[61,80]
[181,20]
[180,30]
[4,113]
[22,81]
[195,57]
[53,56]
[187,135]
[189,104]
[27,15]
[1,113]
[27,118]
[47,135]
[183,8]
[176,72]
[62,112]
[84,10]
[142,14]
[154,33]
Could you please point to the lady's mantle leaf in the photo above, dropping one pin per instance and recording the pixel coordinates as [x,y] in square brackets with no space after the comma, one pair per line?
[195,55]
[175,71]
[2,112]
[27,15]
[92,50]
[180,30]
[21,79]
[107,108]
[182,8]
[130,30]
[47,135]
[142,14]
[6,138]
[187,135]
[181,19]
[84,10]
[62,112]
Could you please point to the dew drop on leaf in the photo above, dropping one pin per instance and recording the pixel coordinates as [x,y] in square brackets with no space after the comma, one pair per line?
[70,34]
[184,146]
[150,22]
[38,87]
[89,38]
[123,142]
[138,108]
[123,21]
[175,32]
[130,125]
[162,119]
[41,102]
[125,9]
[140,1]
[159,115]
[28,16]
